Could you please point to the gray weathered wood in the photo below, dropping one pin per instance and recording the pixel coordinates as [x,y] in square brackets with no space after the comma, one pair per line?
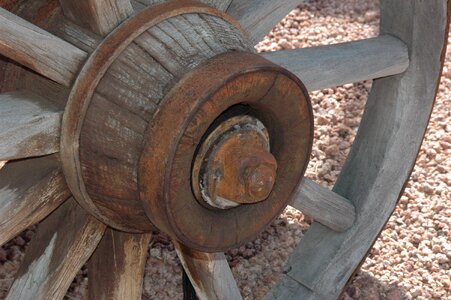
[39,50]
[29,191]
[258,17]
[101,16]
[116,269]
[29,126]
[127,97]
[63,243]
[324,206]
[382,156]
[219,4]
[209,274]
[332,65]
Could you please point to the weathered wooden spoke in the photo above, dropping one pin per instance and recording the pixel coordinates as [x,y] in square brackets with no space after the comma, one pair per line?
[38,50]
[174,122]
[258,17]
[333,65]
[324,206]
[29,191]
[29,126]
[209,273]
[102,16]
[63,243]
[116,269]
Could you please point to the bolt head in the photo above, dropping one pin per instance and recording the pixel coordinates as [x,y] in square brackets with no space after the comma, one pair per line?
[259,181]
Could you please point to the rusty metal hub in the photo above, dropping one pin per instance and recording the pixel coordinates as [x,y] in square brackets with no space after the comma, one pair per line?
[213,182]
[234,164]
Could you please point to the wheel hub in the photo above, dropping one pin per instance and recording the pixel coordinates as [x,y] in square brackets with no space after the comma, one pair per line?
[214,141]
[234,164]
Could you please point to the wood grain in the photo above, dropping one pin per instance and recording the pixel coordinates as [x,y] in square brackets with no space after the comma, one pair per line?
[29,191]
[324,206]
[209,273]
[63,243]
[116,269]
[333,65]
[219,4]
[382,157]
[39,50]
[29,126]
[128,95]
[258,17]
[101,16]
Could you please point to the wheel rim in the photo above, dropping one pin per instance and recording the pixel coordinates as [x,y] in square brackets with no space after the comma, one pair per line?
[321,271]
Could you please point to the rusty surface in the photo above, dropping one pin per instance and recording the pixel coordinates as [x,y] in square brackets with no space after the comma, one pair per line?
[234,165]
[275,97]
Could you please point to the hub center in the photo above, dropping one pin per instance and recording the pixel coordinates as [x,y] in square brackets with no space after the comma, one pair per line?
[142,144]
[234,165]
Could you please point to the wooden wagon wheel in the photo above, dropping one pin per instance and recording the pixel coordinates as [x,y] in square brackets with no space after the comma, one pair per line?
[158,114]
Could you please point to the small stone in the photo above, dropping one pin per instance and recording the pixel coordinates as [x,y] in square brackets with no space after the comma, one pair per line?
[322,121]
[332,150]
[394,294]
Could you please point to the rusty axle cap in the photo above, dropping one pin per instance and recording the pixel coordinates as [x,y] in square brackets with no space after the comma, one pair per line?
[234,165]
[173,173]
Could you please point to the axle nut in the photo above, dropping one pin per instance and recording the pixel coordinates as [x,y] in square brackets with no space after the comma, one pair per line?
[260,180]
[234,165]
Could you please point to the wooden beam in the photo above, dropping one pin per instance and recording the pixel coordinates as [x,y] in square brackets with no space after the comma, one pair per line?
[324,206]
[63,243]
[29,126]
[209,274]
[116,269]
[101,16]
[39,50]
[259,17]
[29,191]
[333,65]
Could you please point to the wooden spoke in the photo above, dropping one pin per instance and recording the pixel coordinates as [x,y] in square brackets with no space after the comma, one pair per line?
[29,126]
[332,65]
[101,16]
[324,206]
[116,269]
[38,50]
[258,17]
[29,191]
[209,273]
[63,243]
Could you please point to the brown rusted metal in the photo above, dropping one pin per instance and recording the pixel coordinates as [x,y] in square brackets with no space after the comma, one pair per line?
[234,164]
[185,116]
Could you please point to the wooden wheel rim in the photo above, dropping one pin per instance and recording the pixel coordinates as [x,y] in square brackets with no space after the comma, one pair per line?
[325,260]
[373,170]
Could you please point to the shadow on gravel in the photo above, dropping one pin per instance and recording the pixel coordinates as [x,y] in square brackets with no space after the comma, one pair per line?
[366,287]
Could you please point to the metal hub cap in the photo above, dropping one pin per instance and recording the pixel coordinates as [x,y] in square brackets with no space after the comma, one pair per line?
[234,165]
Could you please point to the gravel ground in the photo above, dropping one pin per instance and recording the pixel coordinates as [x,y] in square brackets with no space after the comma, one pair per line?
[411,259]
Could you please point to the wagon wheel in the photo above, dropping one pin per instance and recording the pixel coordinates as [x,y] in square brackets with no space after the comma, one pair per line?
[160,115]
